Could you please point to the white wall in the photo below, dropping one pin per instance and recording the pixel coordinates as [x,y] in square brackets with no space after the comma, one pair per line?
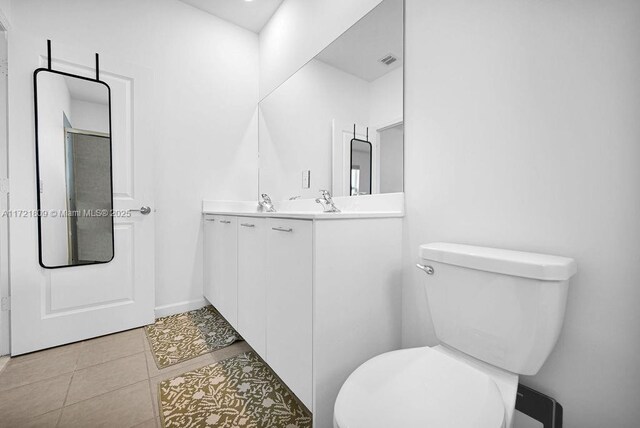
[90,116]
[387,97]
[299,30]
[206,89]
[522,132]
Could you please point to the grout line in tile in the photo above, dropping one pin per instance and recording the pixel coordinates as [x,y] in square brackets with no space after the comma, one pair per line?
[115,359]
[102,394]
[66,395]
[75,365]
[108,361]
[146,361]
[64,403]
[99,395]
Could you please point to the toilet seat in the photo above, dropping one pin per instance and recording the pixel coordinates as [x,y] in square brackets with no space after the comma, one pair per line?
[422,388]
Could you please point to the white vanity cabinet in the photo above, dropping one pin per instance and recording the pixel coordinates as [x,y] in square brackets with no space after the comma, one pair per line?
[221,265]
[252,282]
[289,303]
[315,297]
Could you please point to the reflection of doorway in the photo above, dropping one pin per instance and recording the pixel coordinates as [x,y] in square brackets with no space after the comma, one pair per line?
[391,154]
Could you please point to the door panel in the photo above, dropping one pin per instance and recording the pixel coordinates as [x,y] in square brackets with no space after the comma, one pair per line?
[289,304]
[252,286]
[116,284]
[54,307]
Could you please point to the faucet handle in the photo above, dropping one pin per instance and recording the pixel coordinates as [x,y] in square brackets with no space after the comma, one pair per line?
[325,193]
[266,198]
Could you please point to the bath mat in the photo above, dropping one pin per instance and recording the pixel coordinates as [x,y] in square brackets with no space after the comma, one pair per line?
[240,391]
[181,337]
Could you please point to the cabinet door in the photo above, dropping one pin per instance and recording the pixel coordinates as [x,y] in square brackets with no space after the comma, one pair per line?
[252,284]
[289,305]
[225,268]
[209,240]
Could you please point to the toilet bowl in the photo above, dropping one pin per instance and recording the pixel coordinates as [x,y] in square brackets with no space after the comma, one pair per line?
[421,387]
[497,314]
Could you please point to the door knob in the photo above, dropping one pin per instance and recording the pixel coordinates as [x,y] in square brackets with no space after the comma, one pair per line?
[143,210]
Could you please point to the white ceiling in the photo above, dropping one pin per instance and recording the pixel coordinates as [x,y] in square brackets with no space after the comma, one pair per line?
[359,50]
[252,15]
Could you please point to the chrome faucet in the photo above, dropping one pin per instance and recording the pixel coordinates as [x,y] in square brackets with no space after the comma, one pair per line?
[327,202]
[265,204]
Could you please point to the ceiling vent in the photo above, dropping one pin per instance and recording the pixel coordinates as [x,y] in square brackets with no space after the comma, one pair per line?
[388,59]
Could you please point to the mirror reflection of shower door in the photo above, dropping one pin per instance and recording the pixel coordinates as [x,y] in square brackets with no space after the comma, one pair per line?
[88,159]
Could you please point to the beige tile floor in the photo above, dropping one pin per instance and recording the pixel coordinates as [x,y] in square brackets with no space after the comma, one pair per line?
[111,381]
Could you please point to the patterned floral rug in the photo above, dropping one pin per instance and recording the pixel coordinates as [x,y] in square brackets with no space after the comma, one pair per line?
[181,337]
[240,391]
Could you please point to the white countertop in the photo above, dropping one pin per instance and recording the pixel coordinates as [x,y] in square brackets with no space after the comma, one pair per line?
[389,205]
[306,215]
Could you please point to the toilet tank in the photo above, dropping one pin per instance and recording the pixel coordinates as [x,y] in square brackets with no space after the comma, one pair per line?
[500,306]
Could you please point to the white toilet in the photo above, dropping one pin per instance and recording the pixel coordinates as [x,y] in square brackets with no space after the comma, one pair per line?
[496,313]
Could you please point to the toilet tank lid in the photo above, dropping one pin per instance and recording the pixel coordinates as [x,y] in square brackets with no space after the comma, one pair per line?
[527,265]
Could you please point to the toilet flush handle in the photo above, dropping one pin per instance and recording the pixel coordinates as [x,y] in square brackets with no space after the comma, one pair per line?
[428,269]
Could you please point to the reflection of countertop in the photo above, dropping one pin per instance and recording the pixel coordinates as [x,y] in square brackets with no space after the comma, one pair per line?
[357,207]
[309,215]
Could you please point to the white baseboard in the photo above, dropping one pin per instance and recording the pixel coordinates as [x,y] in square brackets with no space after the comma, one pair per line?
[176,308]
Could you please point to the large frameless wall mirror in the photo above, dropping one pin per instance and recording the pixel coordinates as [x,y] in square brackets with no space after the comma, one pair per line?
[73,153]
[307,138]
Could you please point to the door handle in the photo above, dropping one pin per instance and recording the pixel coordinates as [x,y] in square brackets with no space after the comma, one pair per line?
[282,229]
[225,221]
[247,225]
[142,210]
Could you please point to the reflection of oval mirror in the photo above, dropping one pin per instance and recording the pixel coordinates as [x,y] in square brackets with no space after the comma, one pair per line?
[73,150]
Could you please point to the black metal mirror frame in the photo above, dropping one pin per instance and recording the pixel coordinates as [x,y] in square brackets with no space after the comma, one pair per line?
[351,163]
[39,202]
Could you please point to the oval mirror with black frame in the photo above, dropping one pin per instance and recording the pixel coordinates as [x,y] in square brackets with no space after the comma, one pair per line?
[361,167]
[73,168]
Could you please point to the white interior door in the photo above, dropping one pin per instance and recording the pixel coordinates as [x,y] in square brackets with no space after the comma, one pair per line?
[54,307]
